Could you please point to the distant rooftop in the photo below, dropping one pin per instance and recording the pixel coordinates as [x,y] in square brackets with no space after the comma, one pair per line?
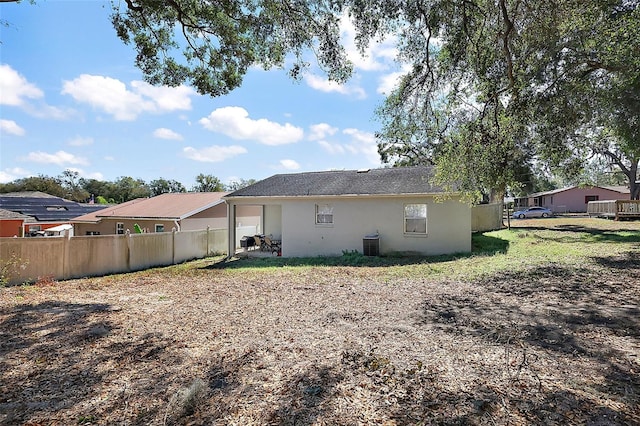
[8,214]
[170,206]
[44,207]
[620,189]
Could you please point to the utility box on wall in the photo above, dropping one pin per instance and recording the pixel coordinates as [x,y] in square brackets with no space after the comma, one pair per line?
[371,245]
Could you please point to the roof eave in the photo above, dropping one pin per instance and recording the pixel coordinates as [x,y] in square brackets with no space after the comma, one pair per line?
[203,208]
[416,194]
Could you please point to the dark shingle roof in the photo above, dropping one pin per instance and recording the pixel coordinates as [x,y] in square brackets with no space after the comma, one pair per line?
[8,214]
[400,180]
[45,208]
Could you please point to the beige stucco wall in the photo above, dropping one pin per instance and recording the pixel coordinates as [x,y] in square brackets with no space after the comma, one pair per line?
[108,226]
[448,225]
[273,220]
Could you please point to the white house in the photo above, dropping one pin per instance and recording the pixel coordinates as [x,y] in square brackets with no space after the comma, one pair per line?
[326,213]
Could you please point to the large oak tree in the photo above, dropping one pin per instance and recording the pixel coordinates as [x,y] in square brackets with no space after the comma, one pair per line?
[497,87]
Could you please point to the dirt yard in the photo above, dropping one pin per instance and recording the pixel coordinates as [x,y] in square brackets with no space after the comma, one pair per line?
[338,345]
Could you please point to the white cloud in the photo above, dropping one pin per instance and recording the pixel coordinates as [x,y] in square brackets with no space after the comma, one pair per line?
[363,143]
[14,88]
[378,56]
[332,148]
[42,110]
[113,97]
[213,154]
[324,85]
[164,133]
[80,141]
[11,174]
[235,123]
[321,131]
[16,91]
[165,98]
[289,164]
[11,127]
[60,158]
[109,158]
[359,144]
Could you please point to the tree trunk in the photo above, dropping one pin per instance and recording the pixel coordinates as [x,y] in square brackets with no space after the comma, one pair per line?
[634,183]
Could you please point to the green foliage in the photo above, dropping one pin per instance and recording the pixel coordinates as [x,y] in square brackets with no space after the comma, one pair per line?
[125,188]
[353,258]
[10,267]
[207,183]
[492,252]
[162,186]
[239,184]
[41,183]
[73,186]
[497,87]
[211,45]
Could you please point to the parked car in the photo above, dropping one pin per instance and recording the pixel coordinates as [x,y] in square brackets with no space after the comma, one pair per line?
[532,212]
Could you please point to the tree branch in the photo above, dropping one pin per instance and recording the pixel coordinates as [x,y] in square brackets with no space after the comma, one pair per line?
[509,27]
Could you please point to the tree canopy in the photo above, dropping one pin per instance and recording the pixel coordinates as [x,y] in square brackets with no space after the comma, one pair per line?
[207,183]
[211,45]
[498,87]
[71,186]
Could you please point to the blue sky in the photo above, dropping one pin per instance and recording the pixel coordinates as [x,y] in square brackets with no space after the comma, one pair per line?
[71,98]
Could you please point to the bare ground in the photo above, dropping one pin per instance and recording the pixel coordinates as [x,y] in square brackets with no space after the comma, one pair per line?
[554,344]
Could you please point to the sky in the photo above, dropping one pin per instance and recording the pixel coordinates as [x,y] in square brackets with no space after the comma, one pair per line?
[72,99]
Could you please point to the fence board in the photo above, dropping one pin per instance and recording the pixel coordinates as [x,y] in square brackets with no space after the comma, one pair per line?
[28,259]
[486,217]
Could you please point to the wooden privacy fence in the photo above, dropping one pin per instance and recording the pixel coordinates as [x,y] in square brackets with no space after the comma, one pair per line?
[615,209]
[29,259]
[486,217]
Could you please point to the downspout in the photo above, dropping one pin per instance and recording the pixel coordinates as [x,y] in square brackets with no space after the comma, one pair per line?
[175,222]
[231,231]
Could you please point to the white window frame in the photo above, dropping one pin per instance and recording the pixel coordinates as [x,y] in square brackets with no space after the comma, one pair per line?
[158,225]
[415,218]
[324,214]
[119,228]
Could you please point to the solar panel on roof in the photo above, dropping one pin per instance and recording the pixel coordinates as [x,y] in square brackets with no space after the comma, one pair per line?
[47,208]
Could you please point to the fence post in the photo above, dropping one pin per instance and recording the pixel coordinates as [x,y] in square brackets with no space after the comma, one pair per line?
[128,237]
[173,246]
[65,255]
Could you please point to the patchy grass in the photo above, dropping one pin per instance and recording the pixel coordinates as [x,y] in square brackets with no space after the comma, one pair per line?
[539,325]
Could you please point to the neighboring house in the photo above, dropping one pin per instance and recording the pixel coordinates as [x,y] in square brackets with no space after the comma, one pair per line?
[573,199]
[12,223]
[163,213]
[40,212]
[327,213]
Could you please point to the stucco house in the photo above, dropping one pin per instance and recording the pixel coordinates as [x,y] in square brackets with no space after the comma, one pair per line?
[573,199]
[327,213]
[180,211]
